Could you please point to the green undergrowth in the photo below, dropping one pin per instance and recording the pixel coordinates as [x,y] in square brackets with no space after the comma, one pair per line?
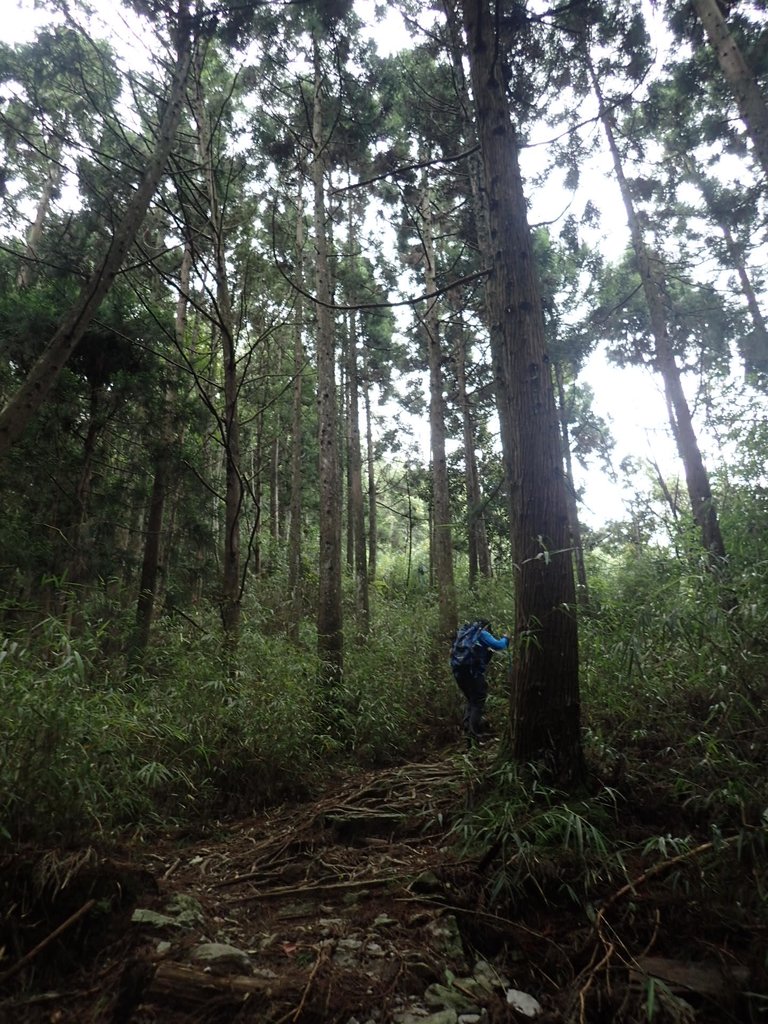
[665,846]
[89,745]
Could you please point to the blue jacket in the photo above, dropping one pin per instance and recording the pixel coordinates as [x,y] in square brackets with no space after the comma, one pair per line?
[490,641]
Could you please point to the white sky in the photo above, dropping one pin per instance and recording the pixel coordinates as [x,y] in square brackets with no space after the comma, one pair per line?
[630,399]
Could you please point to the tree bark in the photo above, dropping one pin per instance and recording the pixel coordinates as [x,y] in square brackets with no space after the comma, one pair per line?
[573,508]
[749,99]
[295,524]
[35,233]
[356,508]
[545,714]
[754,347]
[31,395]
[442,534]
[371,466]
[329,610]
[477,537]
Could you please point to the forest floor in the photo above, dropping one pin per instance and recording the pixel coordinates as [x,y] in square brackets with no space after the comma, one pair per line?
[359,905]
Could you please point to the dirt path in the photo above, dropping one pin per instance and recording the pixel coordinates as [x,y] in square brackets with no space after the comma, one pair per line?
[354,908]
[342,909]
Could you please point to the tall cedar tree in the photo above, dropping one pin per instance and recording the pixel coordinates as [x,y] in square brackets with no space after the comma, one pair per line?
[545,719]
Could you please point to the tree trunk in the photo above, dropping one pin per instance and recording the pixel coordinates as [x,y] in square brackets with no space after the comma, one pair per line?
[329,611]
[349,558]
[749,99]
[229,422]
[696,476]
[573,509]
[150,565]
[477,537]
[356,509]
[442,544]
[372,510]
[754,347]
[295,524]
[545,715]
[44,374]
[52,182]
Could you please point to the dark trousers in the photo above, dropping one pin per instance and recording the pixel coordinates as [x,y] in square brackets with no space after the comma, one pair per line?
[475,689]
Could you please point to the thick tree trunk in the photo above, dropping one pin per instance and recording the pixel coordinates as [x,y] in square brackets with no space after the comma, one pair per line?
[329,611]
[442,546]
[31,395]
[545,718]
[749,99]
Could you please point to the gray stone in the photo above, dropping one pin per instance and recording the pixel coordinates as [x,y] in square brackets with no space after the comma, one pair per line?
[523,1003]
[348,951]
[489,976]
[220,958]
[151,917]
[445,995]
[446,937]
[442,1017]
[186,910]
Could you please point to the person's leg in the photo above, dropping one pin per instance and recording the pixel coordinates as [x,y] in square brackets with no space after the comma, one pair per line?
[476,698]
[465,683]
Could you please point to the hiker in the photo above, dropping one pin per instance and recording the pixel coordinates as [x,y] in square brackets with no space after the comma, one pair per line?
[471,651]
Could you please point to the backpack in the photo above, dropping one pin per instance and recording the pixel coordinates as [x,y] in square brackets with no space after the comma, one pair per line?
[466,649]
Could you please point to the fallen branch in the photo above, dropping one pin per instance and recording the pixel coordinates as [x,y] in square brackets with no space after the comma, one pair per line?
[292,890]
[320,957]
[609,946]
[28,957]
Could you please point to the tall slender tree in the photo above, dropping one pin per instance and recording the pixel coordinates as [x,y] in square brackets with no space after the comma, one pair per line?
[329,607]
[650,268]
[442,555]
[750,99]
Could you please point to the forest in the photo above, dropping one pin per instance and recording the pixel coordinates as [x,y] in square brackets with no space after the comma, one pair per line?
[303,311]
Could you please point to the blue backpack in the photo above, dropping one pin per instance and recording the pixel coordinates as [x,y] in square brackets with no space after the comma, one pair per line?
[466,648]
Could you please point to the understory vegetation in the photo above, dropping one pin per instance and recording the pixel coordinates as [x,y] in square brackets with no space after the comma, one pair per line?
[673,692]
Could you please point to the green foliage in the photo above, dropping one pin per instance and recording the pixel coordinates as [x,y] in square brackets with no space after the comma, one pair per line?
[87,744]
[544,846]
[673,690]
[396,697]
[80,751]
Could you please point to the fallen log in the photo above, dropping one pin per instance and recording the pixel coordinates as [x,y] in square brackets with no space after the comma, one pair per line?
[181,983]
[707,979]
